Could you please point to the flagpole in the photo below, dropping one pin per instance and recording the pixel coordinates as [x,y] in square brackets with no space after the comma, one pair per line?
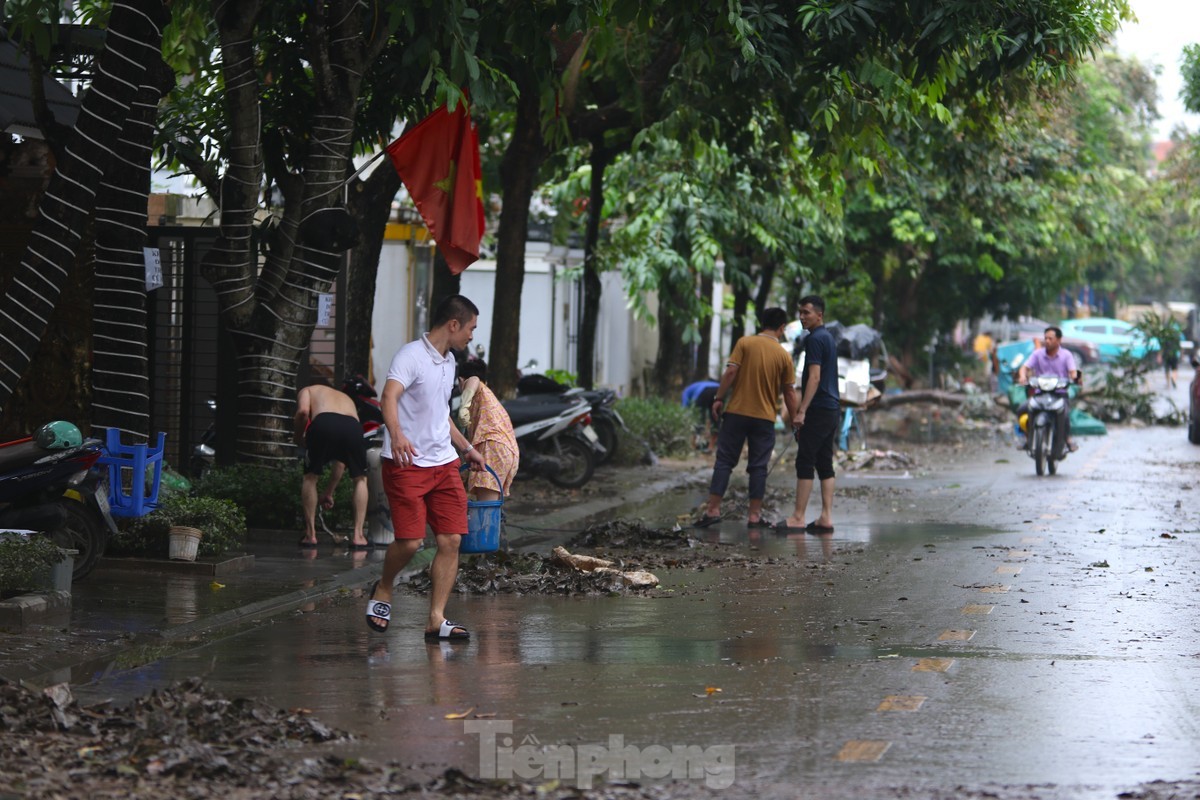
[366,164]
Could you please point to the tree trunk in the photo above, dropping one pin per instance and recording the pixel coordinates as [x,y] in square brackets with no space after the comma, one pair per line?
[924,396]
[671,363]
[58,386]
[585,359]
[371,205]
[271,318]
[120,373]
[518,174]
[701,369]
[765,279]
[741,302]
[445,283]
[69,201]
[792,301]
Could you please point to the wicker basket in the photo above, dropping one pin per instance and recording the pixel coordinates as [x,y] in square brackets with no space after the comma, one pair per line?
[184,543]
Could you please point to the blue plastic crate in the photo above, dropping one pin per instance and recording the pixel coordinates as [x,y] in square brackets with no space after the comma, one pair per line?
[127,466]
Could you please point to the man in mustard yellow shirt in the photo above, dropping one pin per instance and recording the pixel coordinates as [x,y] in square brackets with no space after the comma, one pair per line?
[758,371]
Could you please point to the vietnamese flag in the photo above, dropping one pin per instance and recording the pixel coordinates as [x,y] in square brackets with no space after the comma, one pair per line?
[438,161]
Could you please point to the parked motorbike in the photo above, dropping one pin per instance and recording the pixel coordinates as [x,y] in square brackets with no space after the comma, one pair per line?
[1046,423]
[379,528]
[555,438]
[204,454]
[606,420]
[366,403]
[54,486]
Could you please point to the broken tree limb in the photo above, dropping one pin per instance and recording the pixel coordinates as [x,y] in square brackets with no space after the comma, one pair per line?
[922,396]
[636,579]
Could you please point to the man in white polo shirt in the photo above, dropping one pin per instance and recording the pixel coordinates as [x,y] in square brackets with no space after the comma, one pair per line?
[421,465]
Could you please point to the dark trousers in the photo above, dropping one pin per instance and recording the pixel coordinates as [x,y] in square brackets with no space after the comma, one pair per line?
[737,430]
[814,444]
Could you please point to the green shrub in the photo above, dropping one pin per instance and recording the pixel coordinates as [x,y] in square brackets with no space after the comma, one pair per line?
[568,379]
[662,425]
[270,496]
[24,561]
[222,522]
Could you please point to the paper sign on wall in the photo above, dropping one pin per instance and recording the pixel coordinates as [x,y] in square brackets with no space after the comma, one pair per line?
[324,310]
[154,278]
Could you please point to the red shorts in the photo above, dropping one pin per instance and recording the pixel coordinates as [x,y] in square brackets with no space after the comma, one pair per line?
[418,495]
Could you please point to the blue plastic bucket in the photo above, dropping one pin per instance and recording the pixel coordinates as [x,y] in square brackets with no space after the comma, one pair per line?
[483,522]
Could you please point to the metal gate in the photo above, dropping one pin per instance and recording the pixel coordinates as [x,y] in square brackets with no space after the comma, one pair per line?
[192,358]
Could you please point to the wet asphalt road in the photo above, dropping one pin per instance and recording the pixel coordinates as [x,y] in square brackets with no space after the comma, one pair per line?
[966,626]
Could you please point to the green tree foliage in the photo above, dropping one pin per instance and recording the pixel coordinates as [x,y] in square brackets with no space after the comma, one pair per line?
[1179,243]
[1000,214]
[856,85]
[279,97]
[688,210]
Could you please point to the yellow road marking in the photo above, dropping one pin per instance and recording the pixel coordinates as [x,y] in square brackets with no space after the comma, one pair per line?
[933,664]
[1008,569]
[975,608]
[1032,540]
[1018,554]
[953,635]
[863,750]
[900,702]
[997,589]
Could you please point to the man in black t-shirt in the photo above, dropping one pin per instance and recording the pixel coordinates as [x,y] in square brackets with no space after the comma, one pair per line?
[816,420]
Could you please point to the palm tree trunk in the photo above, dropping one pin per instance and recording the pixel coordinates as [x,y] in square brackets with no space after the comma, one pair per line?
[120,367]
[133,41]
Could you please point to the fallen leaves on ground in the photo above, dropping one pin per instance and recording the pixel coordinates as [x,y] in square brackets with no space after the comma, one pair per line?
[511,573]
[188,741]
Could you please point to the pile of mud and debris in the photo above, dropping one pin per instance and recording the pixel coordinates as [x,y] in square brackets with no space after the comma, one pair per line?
[560,573]
[632,542]
[190,742]
[620,555]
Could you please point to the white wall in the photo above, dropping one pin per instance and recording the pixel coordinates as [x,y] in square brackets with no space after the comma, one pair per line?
[393,311]
[625,347]
[538,336]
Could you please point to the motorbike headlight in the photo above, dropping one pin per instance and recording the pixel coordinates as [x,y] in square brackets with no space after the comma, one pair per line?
[1046,383]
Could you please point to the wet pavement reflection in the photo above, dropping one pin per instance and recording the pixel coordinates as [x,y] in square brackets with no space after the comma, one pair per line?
[977,627]
[788,660]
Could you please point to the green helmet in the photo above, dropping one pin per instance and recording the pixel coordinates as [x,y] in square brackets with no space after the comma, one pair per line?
[58,435]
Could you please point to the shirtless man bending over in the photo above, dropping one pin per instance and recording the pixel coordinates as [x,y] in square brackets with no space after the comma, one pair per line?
[327,427]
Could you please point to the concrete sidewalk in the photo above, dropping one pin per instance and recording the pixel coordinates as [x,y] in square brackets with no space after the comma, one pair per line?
[123,615]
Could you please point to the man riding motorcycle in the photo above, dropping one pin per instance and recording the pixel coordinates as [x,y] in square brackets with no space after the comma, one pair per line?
[1052,359]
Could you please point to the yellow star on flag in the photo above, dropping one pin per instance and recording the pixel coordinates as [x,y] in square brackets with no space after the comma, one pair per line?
[446,184]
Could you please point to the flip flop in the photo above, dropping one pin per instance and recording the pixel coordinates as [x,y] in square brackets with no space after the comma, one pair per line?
[303,545]
[448,632]
[783,527]
[366,546]
[813,527]
[759,523]
[378,608]
[706,521]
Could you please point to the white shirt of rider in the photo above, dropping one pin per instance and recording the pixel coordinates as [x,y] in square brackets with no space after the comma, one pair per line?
[423,409]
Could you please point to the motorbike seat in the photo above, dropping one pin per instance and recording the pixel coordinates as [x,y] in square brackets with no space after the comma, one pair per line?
[522,411]
[18,454]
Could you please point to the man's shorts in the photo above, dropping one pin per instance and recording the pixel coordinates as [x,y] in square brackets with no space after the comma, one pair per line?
[418,495]
[814,443]
[335,437]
